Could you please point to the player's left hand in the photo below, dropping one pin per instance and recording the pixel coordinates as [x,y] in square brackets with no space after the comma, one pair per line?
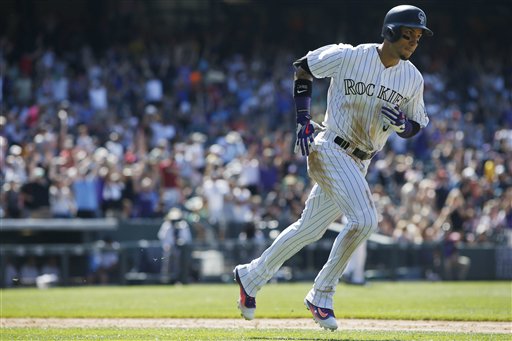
[305,136]
[394,118]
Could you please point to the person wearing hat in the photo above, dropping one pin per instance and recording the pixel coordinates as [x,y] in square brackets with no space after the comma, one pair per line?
[176,237]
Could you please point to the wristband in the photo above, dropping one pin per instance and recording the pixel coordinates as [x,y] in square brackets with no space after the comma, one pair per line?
[411,129]
[302,90]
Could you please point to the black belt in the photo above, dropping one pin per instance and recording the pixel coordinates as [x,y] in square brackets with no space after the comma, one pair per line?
[362,155]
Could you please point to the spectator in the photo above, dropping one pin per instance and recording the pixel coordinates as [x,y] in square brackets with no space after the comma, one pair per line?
[29,272]
[16,168]
[194,151]
[215,189]
[159,130]
[62,201]
[11,275]
[250,172]
[154,90]
[35,194]
[269,172]
[456,266]
[170,182]
[112,195]
[176,237]
[252,242]
[104,262]
[114,146]
[354,272]
[12,200]
[85,191]
[98,96]
[146,203]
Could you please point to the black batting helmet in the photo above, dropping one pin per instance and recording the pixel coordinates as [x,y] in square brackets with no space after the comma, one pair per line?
[404,15]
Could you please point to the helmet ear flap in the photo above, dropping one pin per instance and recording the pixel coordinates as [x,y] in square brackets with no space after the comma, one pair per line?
[391,33]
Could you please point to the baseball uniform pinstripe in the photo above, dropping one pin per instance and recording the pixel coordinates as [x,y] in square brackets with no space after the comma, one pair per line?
[360,86]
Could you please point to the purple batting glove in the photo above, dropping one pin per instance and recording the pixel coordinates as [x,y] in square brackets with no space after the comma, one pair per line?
[305,137]
[394,118]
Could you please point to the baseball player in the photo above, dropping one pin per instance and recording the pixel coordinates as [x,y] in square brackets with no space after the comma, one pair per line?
[374,91]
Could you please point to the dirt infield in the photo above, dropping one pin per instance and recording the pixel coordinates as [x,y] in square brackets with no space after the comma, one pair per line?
[347,324]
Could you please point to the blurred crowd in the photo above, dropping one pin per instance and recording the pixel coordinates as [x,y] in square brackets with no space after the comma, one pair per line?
[138,128]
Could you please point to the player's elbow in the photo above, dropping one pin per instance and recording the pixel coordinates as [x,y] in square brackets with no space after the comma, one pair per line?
[302,70]
[300,73]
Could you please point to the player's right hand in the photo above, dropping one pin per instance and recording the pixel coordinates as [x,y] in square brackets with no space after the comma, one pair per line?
[305,137]
[394,118]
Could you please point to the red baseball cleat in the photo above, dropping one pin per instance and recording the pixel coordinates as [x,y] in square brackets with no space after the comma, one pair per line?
[323,316]
[246,303]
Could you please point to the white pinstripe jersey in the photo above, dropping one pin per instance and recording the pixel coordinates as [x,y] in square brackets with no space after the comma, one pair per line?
[360,86]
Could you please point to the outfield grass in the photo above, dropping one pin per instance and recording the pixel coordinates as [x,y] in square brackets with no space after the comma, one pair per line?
[231,334]
[462,301]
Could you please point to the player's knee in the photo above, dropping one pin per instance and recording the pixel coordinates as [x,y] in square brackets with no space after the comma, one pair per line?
[315,237]
[366,223]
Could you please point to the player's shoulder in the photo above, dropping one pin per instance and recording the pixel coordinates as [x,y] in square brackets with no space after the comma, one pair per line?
[357,48]
[366,46]
[341,46]
[331,49]
[360,50]
[411,69]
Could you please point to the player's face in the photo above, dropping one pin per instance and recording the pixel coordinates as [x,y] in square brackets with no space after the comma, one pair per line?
[408,42]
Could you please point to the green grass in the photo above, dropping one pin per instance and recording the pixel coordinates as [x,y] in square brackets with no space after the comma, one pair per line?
[470,301]
[231,334]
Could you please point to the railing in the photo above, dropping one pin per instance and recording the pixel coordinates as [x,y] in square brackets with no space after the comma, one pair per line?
[141,260]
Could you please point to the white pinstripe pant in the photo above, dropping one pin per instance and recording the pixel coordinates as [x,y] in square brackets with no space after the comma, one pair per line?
[341,188]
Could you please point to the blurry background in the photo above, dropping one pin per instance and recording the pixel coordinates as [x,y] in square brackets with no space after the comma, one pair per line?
[151,141]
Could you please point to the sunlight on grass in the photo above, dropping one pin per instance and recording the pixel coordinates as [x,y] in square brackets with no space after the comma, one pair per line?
[472,301]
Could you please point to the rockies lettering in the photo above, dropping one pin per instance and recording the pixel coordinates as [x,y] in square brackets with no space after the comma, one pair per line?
[393,98]
[360,88]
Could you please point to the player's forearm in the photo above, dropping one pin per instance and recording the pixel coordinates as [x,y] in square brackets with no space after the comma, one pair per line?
[302,90]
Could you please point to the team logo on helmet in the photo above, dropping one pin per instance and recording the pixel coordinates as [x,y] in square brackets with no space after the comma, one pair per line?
[422,18]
